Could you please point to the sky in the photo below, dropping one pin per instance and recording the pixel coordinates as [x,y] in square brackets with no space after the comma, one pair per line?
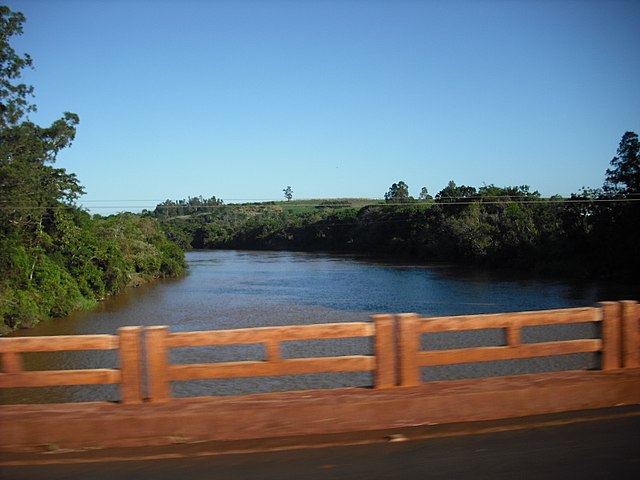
[239,99]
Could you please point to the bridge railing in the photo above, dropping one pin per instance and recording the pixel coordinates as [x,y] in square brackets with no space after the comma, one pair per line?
[397,360]
[619,343]
[126,342]
[161,373]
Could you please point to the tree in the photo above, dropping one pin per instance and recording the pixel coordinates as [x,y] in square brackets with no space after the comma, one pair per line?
[288,193]
[398,193]
[453,193]
[14,103]
[424,194]
[171,208]
[624,176]
[29,186]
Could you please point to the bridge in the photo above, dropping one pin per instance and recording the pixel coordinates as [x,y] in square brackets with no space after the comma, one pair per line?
[147,412]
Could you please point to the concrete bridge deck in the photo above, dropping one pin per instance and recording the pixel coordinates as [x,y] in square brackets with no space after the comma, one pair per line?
[252,417]
[590,444]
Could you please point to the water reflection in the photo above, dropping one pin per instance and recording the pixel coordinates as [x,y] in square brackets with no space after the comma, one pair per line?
[238,289]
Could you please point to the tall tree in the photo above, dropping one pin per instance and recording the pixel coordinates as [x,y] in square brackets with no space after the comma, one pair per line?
[288,193]
[624,175]
[29,186]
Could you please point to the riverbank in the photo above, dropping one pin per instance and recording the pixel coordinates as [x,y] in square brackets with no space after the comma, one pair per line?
[92,259]
[586,237]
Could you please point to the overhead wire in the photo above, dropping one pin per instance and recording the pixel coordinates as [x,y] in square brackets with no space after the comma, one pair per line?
[448,201]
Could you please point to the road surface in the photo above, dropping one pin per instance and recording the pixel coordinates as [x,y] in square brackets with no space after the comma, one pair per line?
[602,446]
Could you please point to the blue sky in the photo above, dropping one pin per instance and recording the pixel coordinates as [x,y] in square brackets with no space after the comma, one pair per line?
[239,99]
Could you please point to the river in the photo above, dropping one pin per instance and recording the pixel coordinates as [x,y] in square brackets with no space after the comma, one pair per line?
[239,289]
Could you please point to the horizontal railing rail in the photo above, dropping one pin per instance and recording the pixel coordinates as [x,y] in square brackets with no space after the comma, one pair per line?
[397,359]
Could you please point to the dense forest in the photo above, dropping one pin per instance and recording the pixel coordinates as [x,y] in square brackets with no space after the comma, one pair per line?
[55,257]
[593,233]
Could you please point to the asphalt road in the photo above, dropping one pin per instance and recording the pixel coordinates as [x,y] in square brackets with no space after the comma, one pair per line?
[608,447]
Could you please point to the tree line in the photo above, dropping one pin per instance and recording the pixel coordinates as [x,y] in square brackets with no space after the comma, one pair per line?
[591,233]
[55,257]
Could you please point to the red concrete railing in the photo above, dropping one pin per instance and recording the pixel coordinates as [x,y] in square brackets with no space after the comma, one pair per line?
[612,315]
[396,362]
[160,340]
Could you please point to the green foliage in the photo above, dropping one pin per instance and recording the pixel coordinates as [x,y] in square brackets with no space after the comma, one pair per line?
[14,103]
[455,194]
[136,250]
[18,308]
[84,260]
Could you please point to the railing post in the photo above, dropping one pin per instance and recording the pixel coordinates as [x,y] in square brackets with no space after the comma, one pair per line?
[159,387]
[272,350]
[385,351]
[130,364]
[12,362]
[630,334]
[611,341]
[513,336]
[408,347]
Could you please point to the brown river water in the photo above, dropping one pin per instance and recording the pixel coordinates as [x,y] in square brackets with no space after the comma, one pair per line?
[241,289]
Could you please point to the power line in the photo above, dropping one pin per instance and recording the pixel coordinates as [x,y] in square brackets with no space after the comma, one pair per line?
[6,205]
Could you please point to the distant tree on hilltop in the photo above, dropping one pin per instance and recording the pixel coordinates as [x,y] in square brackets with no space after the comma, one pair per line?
[398,193]
[176,208]
[424,194]
[453,193]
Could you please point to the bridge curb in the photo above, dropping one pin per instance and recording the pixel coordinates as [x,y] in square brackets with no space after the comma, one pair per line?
[260,416]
